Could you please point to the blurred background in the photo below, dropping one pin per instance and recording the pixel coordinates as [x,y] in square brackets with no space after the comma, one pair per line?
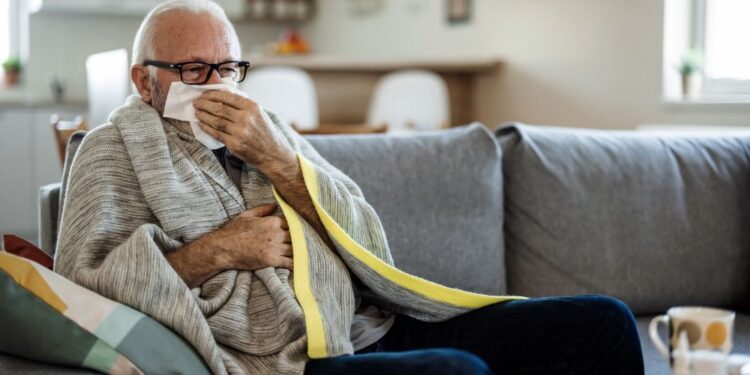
[400,66]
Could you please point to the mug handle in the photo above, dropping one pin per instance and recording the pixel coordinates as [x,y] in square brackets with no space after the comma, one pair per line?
[653,332]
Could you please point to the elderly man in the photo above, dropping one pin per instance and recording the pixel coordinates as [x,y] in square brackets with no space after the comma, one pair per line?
[202,231]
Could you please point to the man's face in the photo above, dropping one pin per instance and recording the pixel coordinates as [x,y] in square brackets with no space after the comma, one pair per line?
[183,37]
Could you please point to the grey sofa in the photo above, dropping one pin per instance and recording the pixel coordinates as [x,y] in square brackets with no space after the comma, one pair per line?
[541,211]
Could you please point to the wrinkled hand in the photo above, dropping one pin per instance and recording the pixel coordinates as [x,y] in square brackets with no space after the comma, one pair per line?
[238,123]
[253,240]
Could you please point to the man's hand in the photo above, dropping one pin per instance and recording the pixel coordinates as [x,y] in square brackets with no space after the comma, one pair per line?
[252,240]
[238,123]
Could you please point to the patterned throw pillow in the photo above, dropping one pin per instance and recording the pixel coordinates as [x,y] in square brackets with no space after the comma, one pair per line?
[48,318]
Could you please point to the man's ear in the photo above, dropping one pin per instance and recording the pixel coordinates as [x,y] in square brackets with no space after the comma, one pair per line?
[140,77]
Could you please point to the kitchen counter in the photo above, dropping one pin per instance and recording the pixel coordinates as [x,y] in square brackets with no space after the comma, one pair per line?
[18,98]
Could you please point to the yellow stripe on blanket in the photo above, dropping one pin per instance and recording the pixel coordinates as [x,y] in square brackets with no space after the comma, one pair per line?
[418,285]
[316,338]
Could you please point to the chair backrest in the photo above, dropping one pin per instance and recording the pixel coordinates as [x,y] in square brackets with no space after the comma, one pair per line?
[410,100]
[288,92]
[108,81]
[63,130]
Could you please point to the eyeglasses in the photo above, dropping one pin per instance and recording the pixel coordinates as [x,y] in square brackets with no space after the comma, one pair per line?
[198,72]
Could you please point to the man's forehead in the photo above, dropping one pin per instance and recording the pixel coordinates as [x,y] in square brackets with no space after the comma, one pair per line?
[184,27]
[223,54]
[207,52]
[193,39]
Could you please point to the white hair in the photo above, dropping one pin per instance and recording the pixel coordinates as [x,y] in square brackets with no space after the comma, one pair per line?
[143,45]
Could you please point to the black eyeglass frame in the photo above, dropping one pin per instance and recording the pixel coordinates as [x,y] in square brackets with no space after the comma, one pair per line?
[244,65]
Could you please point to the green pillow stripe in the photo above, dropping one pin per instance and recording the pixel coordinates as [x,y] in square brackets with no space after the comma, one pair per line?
[101,356]
[36,331]
[118,324]
[51,319]
[166,352]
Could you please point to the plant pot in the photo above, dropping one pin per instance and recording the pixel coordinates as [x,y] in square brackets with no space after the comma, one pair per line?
[12,78]
[691,85]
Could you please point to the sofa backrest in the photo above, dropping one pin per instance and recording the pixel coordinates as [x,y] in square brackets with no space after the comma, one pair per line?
[439,197]
[655,221]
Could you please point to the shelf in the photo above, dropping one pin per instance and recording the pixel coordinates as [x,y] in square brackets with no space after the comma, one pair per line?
[340,64]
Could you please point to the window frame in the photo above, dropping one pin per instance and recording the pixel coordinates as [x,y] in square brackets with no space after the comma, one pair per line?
[712,87]
[14,23]
[18,32]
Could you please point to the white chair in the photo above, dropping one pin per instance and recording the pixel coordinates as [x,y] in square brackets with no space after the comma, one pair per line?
[108,83]
[286,91]
[410,100]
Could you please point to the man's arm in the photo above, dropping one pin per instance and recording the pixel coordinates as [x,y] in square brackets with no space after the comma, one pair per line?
[286,176]
[196,263]
[239,124]
[252,240]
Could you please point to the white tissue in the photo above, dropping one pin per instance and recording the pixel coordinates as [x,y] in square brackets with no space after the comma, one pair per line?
[179,106]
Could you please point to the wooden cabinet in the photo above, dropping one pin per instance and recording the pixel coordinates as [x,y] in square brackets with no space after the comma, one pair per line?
[28,160]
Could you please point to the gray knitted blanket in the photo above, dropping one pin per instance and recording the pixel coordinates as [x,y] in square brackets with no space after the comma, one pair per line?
[141,186]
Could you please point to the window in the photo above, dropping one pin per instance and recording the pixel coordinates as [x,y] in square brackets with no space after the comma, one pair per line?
[14,27]
[722,32]
[718,28]
[5,30]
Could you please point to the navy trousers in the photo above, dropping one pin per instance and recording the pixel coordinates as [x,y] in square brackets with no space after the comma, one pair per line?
[560,335]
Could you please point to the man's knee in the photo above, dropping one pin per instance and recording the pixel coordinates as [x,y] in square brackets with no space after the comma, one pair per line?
[617,319]
[453,361]
[617,310]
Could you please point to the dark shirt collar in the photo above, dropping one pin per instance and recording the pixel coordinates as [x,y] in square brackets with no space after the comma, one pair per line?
[224,157]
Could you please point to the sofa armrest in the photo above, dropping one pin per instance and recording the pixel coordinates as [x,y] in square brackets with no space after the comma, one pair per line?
[49,211]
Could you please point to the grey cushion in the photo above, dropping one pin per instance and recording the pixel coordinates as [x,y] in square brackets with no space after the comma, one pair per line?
[653,221]
[439,196]
[657,365]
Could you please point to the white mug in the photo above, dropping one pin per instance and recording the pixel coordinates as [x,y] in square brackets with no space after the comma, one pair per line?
[703,362]
[706,328]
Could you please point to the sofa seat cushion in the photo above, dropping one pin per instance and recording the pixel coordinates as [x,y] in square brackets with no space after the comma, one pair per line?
[657,365]
[15,365]
[439,197]
[654,221]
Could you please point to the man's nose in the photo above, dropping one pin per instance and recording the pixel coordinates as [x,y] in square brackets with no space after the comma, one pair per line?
[214,78]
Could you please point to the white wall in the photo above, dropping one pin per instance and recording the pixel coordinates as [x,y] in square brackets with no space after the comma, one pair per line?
[60,44]
[594,63]
[589,63]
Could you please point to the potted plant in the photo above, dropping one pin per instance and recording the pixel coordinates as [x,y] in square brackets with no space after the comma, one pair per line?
[12,68]
[691,68]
